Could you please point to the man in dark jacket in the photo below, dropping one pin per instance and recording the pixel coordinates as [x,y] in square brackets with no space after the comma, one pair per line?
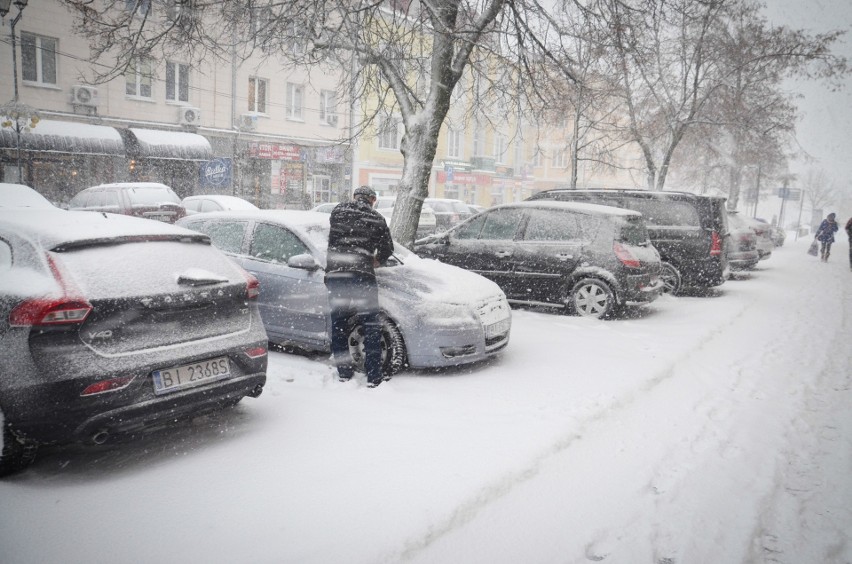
[825,235]
[359,240]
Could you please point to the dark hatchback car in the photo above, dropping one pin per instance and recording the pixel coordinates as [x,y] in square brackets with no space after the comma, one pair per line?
[111,324]
[588,259]
[690,231]
[150,200]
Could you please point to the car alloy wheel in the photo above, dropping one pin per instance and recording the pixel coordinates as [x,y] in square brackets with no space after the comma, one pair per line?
[671,278]
[392,345]
[592,298]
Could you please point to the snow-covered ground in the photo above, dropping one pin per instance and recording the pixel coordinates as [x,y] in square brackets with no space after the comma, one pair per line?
[708,429]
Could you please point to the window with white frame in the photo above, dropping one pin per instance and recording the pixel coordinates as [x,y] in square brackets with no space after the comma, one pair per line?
[38,58]
[560,158]
[295,93]
[519,154]
[138,78]
[501,144]
[298,44]
[478,141]
[537,159]
[455,143]
[257,94]
[138,7]
[388,133]
[328,107]
[321,189]
[177,82]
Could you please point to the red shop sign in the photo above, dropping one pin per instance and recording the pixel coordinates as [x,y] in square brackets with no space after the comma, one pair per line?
[274,151]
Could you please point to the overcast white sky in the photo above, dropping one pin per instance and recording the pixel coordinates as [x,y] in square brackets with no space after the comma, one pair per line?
[825,130]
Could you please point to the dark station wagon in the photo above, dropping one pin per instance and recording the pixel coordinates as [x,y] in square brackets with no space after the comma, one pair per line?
[689,230]
[150,200]
[585,258]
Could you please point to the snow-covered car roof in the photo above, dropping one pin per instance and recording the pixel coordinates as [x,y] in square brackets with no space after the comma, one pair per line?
[21,196]
[578,207]
[131,185]
[229,202]
[56,228]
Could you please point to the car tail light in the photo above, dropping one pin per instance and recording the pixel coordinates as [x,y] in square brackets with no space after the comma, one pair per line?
[625,256]
[111,385]
[252,286]
[68,308]
[715,244]
[255,352]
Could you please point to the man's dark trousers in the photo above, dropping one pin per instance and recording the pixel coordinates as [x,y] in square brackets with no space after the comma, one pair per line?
[354,295]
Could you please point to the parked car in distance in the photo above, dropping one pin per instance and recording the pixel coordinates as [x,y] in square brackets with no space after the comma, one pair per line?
[475,208]
[742,248]
[215,202]
[22,196]
[432,314]
[425,226]
[112,324]
[325,208]
[448,212]
[150,200]
[585,258]
[689,231]
[765,244]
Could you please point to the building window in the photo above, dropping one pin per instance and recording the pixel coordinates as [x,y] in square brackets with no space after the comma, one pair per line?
[139,78]
[478,141]
[257,95]
[38,58]
[501,144]
[560,159]
[322,189]
[519,153]
[138,7]
[536,157]
[455,140]
[294,100]
[328,107]
[388,133]
[177,82]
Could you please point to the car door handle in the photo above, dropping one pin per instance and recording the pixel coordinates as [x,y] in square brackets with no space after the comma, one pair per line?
[503,254]
[564,256]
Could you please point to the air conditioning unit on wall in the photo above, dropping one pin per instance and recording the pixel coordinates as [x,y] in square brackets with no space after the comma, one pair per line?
[188,115]
[82,95]
[247,122]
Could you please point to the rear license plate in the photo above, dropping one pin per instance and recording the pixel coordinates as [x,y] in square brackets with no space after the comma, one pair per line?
[188,375]
[495,329]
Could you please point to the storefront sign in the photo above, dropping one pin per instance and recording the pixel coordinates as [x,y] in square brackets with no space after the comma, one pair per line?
[274,151]
[463,178]
[329,155]
[216,173]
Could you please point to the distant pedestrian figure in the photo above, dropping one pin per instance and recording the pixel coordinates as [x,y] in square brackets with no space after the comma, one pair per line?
[825,235]
[849,233]
[359,240]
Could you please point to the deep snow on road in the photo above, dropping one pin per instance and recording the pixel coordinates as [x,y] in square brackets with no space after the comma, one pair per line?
[708,428]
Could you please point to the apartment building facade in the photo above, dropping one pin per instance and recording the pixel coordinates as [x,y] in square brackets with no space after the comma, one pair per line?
[247,127]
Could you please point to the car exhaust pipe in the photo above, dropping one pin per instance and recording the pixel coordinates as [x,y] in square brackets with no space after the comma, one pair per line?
[256,391]
[100,437]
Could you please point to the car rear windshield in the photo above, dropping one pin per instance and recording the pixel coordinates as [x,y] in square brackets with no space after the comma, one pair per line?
[152,196]
[632,230]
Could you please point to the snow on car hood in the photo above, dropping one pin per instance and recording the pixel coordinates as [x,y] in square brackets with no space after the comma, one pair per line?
[432,280]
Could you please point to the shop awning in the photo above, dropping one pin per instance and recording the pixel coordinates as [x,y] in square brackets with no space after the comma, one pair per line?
[53,136]
[179,145]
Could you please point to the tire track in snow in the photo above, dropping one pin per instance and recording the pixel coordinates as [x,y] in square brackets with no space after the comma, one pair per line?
[704,442]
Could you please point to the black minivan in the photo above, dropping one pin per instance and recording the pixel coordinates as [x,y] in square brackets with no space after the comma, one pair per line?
[585,258]
[689,230]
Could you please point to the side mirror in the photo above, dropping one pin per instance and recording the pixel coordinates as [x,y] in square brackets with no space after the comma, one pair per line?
[303,261]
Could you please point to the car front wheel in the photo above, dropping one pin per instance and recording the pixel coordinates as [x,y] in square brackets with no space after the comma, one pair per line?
[671,278]
[592,298]
[392,345]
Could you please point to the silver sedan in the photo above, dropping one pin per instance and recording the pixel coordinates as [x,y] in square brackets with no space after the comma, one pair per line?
[434,314]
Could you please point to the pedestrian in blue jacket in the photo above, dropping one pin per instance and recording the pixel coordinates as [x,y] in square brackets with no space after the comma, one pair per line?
[825,235]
